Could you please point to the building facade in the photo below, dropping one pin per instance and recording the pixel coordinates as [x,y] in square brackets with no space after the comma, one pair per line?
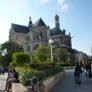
[34,35]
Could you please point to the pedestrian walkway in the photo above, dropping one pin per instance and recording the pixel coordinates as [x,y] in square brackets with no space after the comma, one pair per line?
[68,84]
[3,82]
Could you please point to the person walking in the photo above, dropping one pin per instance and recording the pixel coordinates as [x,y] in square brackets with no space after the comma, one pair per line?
[77,72]
[84,63]
[89,69]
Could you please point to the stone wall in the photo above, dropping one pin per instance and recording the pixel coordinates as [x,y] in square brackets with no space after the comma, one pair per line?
[52,81]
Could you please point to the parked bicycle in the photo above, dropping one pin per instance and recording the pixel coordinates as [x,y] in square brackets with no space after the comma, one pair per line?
[35,86]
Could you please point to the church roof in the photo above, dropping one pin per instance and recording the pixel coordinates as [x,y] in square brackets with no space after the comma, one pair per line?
[55,31]
[20,28]
[40,22]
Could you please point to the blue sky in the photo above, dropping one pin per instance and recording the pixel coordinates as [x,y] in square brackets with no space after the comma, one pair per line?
[75,17]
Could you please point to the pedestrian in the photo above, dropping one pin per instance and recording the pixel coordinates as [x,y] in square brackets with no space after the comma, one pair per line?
[89,69]
[12,77]
[2,70]
[77,68]
[77,73]
[15,78]
[80,64]
[84,65]
[9,78]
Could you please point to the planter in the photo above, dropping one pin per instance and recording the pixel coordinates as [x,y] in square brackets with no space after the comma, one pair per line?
[49,83]
[52,81]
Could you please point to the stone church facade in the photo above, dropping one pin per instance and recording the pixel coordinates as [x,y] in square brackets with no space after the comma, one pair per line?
[34,35]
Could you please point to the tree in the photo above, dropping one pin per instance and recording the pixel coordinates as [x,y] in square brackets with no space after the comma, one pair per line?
[42,54]
[7,49]
[20,59]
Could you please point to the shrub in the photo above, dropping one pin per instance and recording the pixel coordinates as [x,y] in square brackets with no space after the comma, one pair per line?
[43,65]
[20,58]
[42,54]
[29,75]
[13,64]
[41,75]
[66,63]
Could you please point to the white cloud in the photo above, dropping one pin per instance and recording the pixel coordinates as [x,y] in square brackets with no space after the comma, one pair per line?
[44,1]
[60,1]
[64,7]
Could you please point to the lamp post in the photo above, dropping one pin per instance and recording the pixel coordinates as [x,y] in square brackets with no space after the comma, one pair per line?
[51,42]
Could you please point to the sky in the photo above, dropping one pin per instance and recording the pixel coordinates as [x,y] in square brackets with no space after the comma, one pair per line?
[74,15]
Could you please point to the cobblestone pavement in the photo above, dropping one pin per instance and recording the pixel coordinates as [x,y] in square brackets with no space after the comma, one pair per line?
[68,84]
[2,82]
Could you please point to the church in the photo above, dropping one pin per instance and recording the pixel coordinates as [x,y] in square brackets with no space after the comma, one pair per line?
[34,35]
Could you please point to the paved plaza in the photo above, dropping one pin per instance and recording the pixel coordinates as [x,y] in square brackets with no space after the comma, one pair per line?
[2,82]
[68,84]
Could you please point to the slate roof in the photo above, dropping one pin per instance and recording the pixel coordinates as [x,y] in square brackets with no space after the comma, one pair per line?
[20,28]
[40,22]
[55,31]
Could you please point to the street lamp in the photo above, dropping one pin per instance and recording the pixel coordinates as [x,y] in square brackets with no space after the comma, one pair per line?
[51,42]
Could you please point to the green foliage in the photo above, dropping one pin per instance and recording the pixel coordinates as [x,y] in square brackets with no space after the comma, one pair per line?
[3,60]
[22,69]
[48,60]
[13,64]
[6,51]
[66,63]
[91,61]
[69,63]
[41,75]
[42,54]
[35,59]
[43,65]
[20,59]
[29,75]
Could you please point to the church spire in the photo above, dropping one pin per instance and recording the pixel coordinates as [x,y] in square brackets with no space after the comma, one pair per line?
[30,22]
[57,21]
